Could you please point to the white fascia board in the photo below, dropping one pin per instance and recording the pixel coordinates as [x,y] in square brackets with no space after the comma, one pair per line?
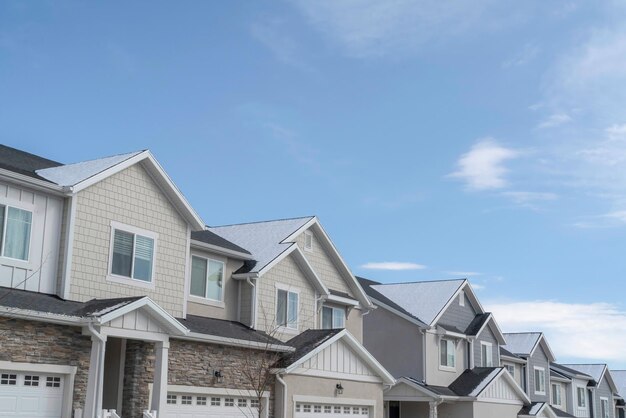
[221,250]
[448,303]
[472,296]
[313,353]
[244,276]
[417,322]
[493,325]
[291,248]
[559,379]
[442,331]
[513,359]
[341,300]
[294,235]
[420,388]
[609,378]
[164,317]
[511,381]
[31,315]
[33,183]
[546,348]
[234,342]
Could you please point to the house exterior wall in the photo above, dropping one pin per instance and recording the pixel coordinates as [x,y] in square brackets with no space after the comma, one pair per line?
[435,375]
[230,291]
[562,387]
[354,324]
[130,197]
[495,410]
[538,359]
[39,273]
[285,273]
[486,336]
[246,303]
[573,400]
[43,343]
[457,315]
[518,376]
[457,410]
[603,391]
[414,410]
[322,387]
[406,358]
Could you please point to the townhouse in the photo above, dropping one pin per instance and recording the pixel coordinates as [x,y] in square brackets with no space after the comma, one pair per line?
[446,356]
[117,300]
[569,390]
[619,377]
[601,389]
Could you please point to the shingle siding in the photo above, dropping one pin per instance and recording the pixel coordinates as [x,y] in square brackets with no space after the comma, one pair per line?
[486,336]
[603,391]
[457,315]
[130,197]
[538,359]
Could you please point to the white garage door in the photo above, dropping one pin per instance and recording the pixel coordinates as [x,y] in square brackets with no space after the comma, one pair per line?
[189,405]
[316,410]
[30,394]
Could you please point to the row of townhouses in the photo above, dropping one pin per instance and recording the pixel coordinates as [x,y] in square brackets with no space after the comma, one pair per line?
[116,300]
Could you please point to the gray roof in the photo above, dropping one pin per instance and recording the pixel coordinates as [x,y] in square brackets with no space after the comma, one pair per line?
[72,174]
[560,413]
[23,162]
[264,240]
[569,372]
[306,342]
[619,377]
[521,343]
[469,383]
[209,237]
[226,329]
[366,284]
[477,323]
[533,409]
[593,370]
[423,300]
[505,352]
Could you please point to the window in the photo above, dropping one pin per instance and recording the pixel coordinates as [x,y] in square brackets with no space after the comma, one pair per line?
[215,401]
[462,298]
[486,352]
[346,409]
[241,403]
[171,399]
[31,380]
[53,382]
[447,353]
[254,403]
[317,409]
[287,309]
[333,318]
[581,399]
[604,408]
[297,407]
[185,400]
[556,394]
[133,255]
[206,278]
[308,241]
[510,368]
[15,226]
[229,402]
[306,408]
[8,379]
[328,409]
[337,409]
[356,410]
[540,380]
[365,411]
[201,400]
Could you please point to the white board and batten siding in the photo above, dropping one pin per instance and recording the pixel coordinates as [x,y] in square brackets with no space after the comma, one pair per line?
[39,273]
[500,391]
[338,360]
[136,320]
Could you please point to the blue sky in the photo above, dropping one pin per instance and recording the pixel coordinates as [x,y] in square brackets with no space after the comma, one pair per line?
[433,139]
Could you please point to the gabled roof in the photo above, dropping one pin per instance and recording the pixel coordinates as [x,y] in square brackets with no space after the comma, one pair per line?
[209,240]
[597,372]
[227,329]
[311,342]
[569,372]
[271,241]
[427,300]
[513,357]
[619,376]
[524,344]
[560,413]
[558,376]
[535,409]
[479,323]
[23,162]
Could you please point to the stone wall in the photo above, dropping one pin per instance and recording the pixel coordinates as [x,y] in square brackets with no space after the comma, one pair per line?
[190,364]
[38,342]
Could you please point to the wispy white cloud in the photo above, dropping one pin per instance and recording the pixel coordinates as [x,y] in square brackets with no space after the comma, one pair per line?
[477,286]
[574,331]
[483,167]
[529,198]
[393,265]
[463,273]
[554,120]
[528,53]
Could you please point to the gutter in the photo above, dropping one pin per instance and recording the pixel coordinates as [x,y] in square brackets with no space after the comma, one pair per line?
[37,184]
[221,250]
[196,336]
[279,379]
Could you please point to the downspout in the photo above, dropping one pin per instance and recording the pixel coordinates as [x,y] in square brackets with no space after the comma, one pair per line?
[423,332]
[280,380]
[69,247]
[253,314]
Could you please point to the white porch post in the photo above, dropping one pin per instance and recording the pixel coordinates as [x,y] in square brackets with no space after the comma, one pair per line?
[159,388]
[93,398]
[432,409]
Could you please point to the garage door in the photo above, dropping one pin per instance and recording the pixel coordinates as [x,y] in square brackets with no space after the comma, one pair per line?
[30,394]
[317,410]
[189,405]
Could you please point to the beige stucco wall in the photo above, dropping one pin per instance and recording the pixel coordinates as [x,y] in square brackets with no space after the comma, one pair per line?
[494,410]
[287,274]
[436,376]
[354,324]
[130,197]
[230,289]
[325,388]
[458,410]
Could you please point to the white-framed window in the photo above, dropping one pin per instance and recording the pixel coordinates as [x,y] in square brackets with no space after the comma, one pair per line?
[287,308]
[254,403]
[229,402]
[462,298]
[486,354]
[241,403]
[30,380]
[216,401]
[556,394]
[185,399]
[171,399]
[317,409]
[333,318]
[15,229]
[328,409]
[201,400]
[581,397]
[447,353]
[604,408]
[510,368]
[540,380]
[9,379]
[132,253]
[337,409]
[308,241]
[207,278]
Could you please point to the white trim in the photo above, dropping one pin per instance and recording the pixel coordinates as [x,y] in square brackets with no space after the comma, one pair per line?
[68,385]
[539,392]
[201,390]
[471,296]
[342,300]
[546,348]
[608,407]
[445,367]
[34,183]
[26,207]
[308,235]
[518,360]
[337,375]
[289,289]
[133,334]
[482,360]
[69,246]
[462,299]
[220,250]
[558,386]
[503,374]
[206,300]
[334,401]
[32,315]
[196,336]
[116,278]
[402,315]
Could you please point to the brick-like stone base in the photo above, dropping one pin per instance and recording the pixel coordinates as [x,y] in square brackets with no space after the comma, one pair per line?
[39,342]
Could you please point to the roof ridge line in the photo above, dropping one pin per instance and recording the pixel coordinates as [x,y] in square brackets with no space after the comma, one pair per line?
[419,281]
[261,222]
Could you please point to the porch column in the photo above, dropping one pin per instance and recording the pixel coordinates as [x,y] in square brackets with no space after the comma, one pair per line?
[93,398]
[159,388]
[432,409]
